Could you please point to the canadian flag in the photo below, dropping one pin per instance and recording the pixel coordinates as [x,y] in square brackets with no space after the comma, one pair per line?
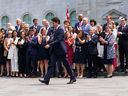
[67,14]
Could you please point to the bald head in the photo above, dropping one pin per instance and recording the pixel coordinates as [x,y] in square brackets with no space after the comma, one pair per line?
[45,22]
[85,20]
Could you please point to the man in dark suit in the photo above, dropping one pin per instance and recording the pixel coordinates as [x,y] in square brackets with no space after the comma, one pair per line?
[79,23]
[31,53]
[58,52]
[92,53]
[123,43]
[35,25]
[18,25]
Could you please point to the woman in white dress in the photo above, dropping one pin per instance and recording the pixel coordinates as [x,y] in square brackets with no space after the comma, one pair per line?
[13,54]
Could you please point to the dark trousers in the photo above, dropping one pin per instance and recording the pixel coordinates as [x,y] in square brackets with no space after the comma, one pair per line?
[92,65]
[59,68]
[123,54]
[52,65]
[31,63]
[100,64]
[22,62]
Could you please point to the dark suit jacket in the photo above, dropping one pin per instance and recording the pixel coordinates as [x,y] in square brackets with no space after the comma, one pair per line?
[104,26]
[38,28]
[57,42]
[92,48]
[50,31]
[77,25]
[17,30]
[123,38]
[32,46]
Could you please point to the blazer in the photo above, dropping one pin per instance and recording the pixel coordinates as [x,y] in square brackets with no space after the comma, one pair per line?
[32,46]
[50,31]
[123,38]
[77,25]
[104,26]
[86,28]
[92,45]
[23,47]
[57,43]
[17,30]
[38,27]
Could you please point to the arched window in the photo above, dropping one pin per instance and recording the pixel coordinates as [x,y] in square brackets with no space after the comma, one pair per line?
[115,15]
[27,19]
[49,16]
[4,21]
[73,18]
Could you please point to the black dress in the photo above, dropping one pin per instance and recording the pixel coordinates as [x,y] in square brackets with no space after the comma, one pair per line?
[22,57]
[43,53]
[79,57]
[2,58]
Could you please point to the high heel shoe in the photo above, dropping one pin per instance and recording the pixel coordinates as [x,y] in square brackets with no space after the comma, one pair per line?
[1,75]
[42,75]
[66,75]
[80,77]
[108,76]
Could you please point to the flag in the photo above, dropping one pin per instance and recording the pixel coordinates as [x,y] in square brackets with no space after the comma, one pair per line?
[67,14]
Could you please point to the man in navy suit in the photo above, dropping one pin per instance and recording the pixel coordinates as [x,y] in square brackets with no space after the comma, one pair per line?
[58,52]
[31,53]
[18,25]
[79,23]
[35,25]
[123,43]
[92,53]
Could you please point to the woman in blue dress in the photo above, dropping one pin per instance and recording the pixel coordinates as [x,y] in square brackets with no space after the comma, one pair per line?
[43,53]
[109,50]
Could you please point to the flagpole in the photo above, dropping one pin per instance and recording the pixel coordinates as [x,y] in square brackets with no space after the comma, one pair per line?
[67,11]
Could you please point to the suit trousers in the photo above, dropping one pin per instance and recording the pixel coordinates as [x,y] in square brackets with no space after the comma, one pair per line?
[52,65]
[123,54]
[31,64]
[92,64]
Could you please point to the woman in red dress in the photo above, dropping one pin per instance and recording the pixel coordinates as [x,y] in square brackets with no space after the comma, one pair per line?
[69,41]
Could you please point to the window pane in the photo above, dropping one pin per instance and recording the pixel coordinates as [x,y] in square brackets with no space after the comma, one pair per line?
[49,16]
[4,21]
[73,18]
[27,19]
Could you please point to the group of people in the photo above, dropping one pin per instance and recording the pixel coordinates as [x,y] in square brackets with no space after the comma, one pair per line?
[84,49]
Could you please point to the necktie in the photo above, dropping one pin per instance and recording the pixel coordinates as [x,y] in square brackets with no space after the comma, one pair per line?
[122,27]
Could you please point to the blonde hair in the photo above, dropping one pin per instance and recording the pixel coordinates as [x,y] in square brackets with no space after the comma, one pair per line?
[112,24]
[110,27]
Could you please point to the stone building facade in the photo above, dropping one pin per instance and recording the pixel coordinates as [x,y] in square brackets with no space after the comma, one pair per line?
[99,9]
[29,9]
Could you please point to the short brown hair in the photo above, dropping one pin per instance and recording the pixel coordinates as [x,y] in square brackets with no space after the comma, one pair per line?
[35,19]
[56,20]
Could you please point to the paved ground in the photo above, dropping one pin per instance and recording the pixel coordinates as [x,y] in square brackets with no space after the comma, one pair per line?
[116,86]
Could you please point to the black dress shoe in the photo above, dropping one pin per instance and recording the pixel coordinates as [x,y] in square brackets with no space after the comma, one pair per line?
[121,70]
[89,76]
[94,76]
[43,81]
[71,81]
